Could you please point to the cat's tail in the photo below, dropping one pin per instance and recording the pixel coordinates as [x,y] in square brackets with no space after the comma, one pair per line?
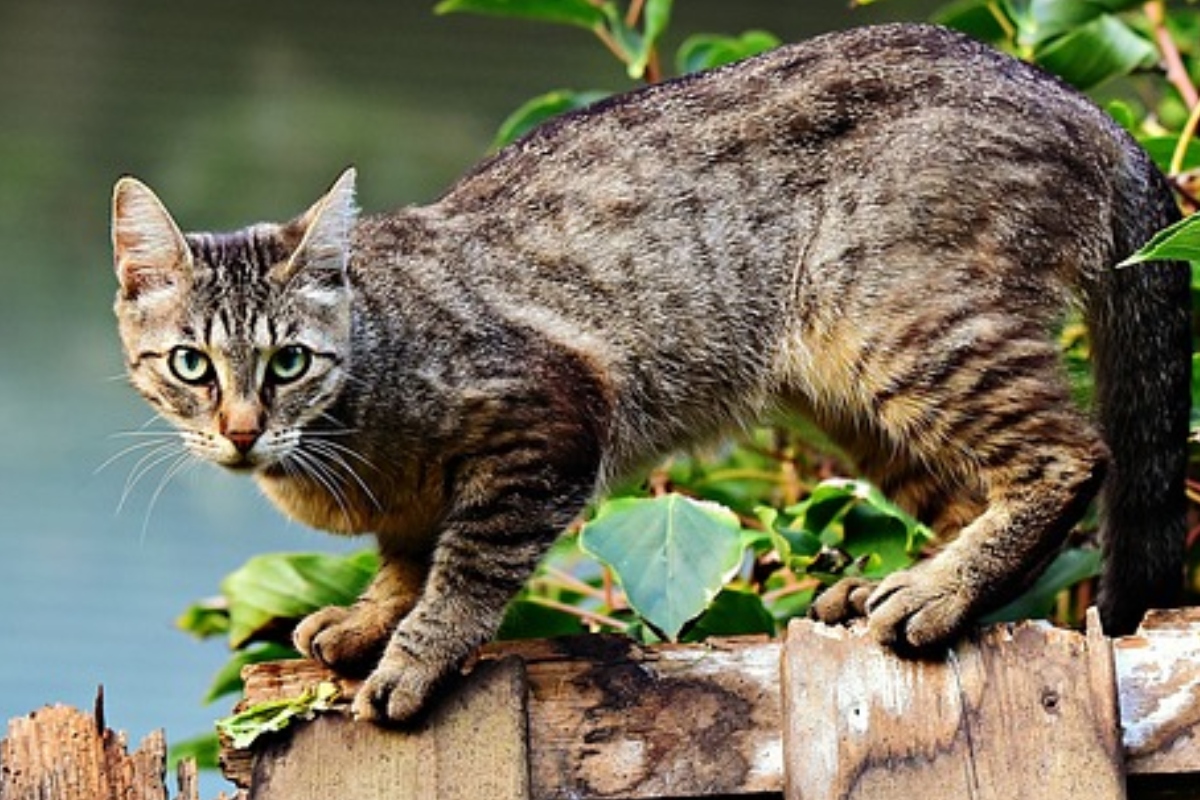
[1140,322]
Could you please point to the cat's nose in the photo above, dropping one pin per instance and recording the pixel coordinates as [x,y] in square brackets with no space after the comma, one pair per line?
[241,423]
[243,440]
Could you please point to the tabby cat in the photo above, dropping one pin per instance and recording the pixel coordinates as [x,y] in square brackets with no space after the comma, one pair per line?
[878,228]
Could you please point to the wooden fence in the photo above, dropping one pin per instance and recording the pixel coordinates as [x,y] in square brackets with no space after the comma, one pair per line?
[1017,711]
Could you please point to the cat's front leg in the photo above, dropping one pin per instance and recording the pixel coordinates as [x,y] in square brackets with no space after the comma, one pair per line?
[350,641]
[485,554]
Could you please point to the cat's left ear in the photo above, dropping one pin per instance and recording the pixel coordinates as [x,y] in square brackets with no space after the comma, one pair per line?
[324,248]
[149,252]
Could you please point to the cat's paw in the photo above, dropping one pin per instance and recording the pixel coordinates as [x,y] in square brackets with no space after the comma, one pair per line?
[347,640]
[916,610]
[396,692]
[842,602]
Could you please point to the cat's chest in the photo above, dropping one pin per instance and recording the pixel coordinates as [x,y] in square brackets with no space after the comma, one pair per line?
[393,511]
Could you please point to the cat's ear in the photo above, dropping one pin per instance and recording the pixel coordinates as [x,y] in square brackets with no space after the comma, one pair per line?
[324,249]
[149,252]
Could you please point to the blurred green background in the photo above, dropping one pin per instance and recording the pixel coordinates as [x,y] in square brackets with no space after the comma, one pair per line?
[233,112]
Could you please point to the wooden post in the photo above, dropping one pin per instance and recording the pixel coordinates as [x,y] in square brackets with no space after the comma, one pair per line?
[473,746]
[1024,711]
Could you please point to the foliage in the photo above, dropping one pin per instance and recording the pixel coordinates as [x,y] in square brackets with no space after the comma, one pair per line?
[271,716]
[739,540]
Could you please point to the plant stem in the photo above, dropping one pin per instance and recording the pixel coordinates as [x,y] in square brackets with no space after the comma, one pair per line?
[566,580]
[1177,73]
[591,617]
[1185,138]
[635,11]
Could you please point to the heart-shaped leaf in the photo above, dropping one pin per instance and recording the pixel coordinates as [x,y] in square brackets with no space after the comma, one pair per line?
[671,554]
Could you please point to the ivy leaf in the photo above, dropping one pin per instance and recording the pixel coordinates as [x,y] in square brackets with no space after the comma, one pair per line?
[1178,241]
[539,109]
[706,51]
[274,588]
[671,554]
[580,13]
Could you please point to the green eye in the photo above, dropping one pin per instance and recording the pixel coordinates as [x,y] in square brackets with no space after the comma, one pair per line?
[191,366]
[289,363]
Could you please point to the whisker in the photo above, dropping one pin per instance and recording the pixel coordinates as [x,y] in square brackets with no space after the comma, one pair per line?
[129,450]
[183,461]
[146,464]
[314,468]
[332,451]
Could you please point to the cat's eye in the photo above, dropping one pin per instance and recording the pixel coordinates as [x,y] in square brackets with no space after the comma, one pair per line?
[289,363]
[191,366]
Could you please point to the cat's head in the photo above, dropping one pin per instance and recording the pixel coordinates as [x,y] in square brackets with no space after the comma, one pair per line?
[240,339]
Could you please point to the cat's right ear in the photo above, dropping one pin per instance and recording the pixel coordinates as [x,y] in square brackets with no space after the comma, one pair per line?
[325,231]
[149,251]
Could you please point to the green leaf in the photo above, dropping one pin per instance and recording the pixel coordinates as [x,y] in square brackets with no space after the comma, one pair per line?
[706,51]
[879,537]
[539,109]
[1178,241]
[733,612]
[656,15]
[1088,55]
[671,554]
[244,727]
[281,587]
[1068,569]
[205,619]
[526,618]
[228,679]
[981,19]
[580,13]
[1161,150]
[205,750]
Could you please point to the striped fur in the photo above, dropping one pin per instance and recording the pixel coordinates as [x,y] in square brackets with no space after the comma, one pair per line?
[880,228]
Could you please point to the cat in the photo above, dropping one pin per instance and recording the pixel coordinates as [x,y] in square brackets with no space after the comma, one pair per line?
[879,228]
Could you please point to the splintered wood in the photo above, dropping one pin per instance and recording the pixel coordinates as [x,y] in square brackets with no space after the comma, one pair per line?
[60,753]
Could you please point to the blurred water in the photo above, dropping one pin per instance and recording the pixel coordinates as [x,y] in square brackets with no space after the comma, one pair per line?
[233,111]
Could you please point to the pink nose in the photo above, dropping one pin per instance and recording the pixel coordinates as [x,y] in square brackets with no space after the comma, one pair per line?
[241,423]
[243,440]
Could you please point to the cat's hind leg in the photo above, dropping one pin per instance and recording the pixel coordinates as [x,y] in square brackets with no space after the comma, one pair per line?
[1040,462]
[944,503]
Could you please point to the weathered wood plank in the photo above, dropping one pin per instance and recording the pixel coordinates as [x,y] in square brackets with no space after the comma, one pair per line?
[1158,672]
[609,719]
[472,746]
[862,724]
